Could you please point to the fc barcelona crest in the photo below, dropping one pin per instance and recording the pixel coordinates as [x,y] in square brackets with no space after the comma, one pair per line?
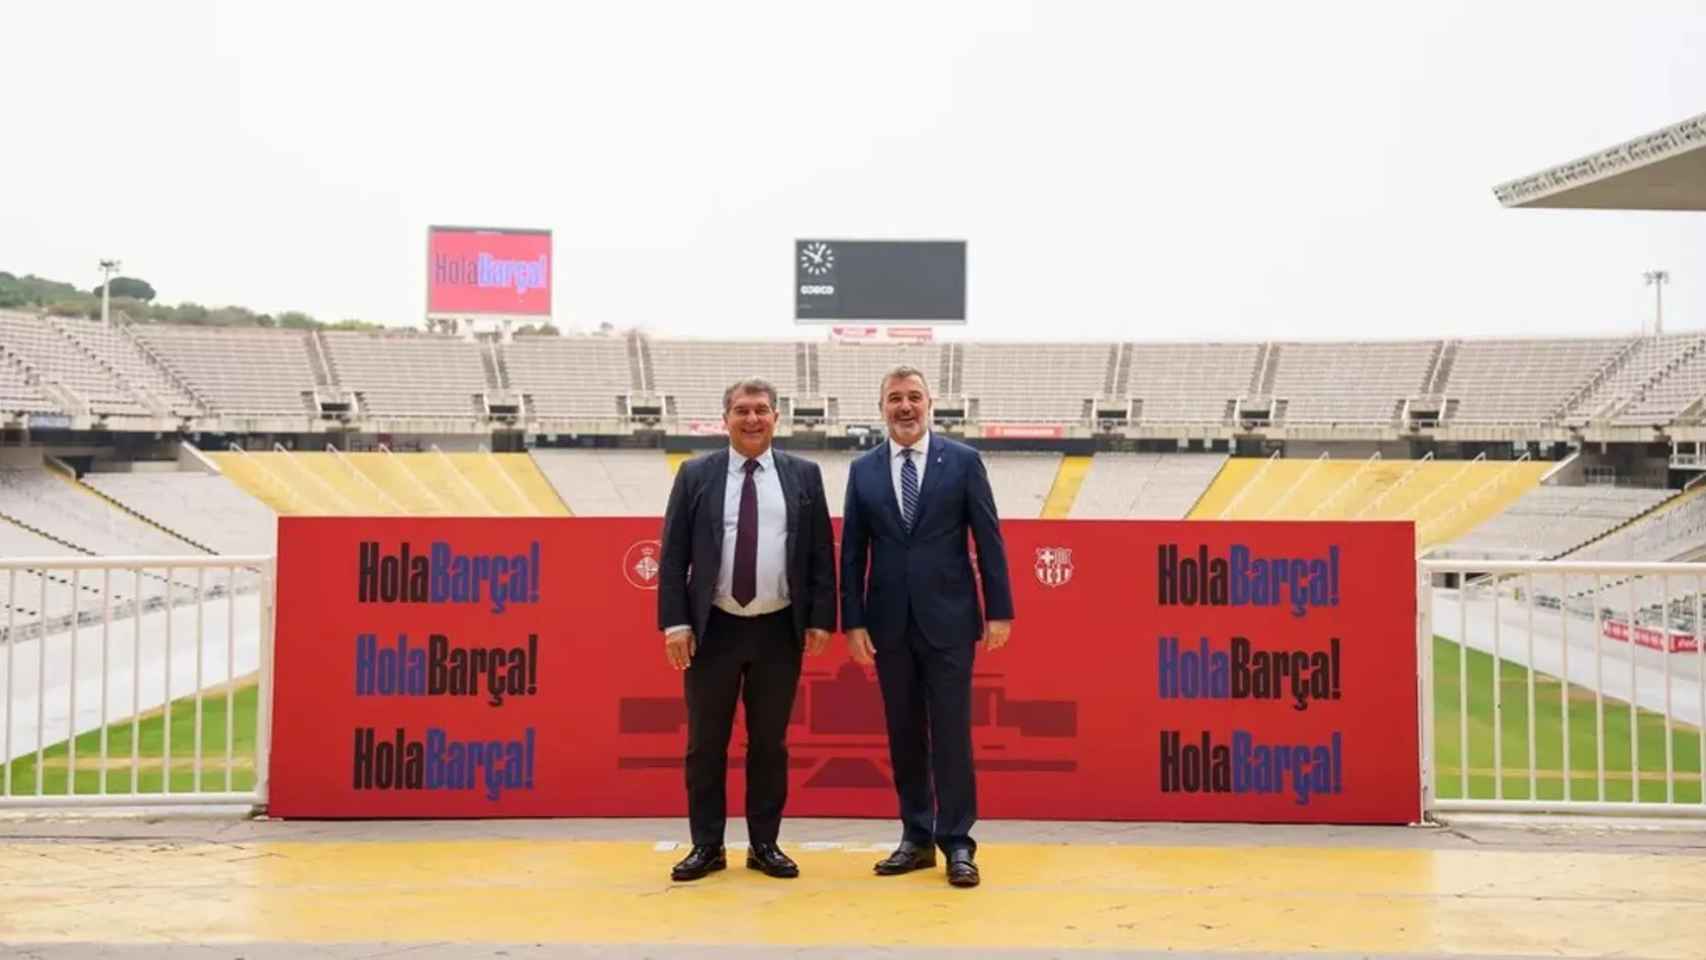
[1054,566]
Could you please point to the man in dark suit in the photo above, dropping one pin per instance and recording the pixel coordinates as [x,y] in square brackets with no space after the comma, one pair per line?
[747,580]
[909,505]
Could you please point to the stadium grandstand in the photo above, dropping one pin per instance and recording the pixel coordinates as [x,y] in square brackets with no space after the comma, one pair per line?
[66,374]
[140,437]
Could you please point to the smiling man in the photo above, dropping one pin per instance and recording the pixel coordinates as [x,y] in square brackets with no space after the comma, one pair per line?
[747,582]
[909,505]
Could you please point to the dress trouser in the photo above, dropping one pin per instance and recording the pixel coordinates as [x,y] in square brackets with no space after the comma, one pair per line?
[754,660]
[927,703]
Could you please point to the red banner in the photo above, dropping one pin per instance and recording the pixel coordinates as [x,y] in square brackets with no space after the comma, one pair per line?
[1653,638]
[476,271]
[1177,671]
[1024,431]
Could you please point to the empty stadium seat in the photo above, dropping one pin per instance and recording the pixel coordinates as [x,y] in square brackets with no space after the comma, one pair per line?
[408,375]
[1190,382]
[38,345]
[115,348]
[851,375]
[1524,381]
[240,372]
[1550,520]
[1035,382]
[608,483]
[204,508]
[1350,383]
[696,372]
[1020,482]
[1144,486]
[570,378]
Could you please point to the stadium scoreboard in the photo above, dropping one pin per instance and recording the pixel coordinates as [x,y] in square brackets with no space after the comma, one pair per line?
[488,272]
[919,281]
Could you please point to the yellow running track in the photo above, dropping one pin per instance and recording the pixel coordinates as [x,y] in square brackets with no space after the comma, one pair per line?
[1055,897]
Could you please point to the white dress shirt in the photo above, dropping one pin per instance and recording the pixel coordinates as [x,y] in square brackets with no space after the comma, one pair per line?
[772,580]
[897,458]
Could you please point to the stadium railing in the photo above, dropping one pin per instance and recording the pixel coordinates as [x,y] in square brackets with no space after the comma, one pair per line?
[1591,695]
[107,690]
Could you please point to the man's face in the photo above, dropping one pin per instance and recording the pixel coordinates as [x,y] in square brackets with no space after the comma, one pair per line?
[906,409]
[751,422]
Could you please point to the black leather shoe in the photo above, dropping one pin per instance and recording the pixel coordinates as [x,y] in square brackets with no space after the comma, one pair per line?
[771,860]
[705,858]
[906,858]
[962,870]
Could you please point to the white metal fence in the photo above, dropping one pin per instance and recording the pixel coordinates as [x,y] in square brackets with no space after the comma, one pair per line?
[1621,645]
[98,649]
[1565,686]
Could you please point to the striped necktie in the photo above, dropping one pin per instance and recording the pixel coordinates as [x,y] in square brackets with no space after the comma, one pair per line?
[908,489]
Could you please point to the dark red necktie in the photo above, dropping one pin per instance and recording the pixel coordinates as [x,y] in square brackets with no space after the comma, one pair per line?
[746,540]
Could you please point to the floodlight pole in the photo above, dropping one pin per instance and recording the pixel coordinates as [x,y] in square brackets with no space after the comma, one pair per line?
[1657,280]
[108,268]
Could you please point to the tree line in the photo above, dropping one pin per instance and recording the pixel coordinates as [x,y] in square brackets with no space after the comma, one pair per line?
[135,299]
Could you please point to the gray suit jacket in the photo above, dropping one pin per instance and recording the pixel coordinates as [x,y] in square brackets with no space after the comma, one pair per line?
[693,543]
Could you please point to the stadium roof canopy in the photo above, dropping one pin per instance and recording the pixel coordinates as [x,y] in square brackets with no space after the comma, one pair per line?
[1663,170]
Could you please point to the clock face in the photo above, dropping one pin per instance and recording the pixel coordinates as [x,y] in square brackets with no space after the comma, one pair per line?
[817,258]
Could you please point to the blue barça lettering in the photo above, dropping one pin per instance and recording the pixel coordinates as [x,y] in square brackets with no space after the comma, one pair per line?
[1243,578]
[489,271]
[440,669]
[442,575]
[523,275]
[1242,672]
[437,762]
[1248,766]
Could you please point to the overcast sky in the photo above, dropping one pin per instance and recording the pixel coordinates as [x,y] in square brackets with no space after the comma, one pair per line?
[1128,170]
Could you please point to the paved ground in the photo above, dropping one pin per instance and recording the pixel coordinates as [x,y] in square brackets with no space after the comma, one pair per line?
[221,885]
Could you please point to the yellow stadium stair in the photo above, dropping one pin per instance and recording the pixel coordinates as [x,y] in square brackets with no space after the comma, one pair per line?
[490,481]
[524,473]
[677,458]
[259,474]
[385,483]
[1446,499]
[1232,478]
[389,472]
[328,483]
[1067,480]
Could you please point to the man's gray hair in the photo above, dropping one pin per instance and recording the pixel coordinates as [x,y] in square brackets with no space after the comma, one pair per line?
[901,372]
[749,385]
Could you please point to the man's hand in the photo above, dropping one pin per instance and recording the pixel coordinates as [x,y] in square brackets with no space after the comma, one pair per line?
[859,645]
[679,648]
[816,640]
[995,634]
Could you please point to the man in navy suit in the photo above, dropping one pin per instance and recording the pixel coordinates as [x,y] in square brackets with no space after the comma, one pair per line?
[747,583]
[909,505]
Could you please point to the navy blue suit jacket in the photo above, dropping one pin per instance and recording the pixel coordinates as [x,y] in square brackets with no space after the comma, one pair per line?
[927,571]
